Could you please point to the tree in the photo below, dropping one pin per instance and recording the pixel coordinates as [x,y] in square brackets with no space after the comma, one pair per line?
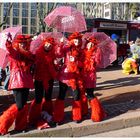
[5,19]
[42,12]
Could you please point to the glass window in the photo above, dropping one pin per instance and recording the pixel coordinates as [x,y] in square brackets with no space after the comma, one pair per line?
[15,21]
[33,6]
[6,4]
[106,14]
[25,30]
[33,13]
[15,12]
[25,5]
[24,13]
[5,10]
[50,5]
[33,30]
[15,5]
[8,20]
[24,21]
[33,21]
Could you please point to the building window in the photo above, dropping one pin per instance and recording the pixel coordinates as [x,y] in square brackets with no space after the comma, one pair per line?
[33,30]
[33,21]
[15,5]
[15,21]
[106,6]
[15,12]
[25,30]
[33,13]
[33,6]
[5,10]
[6,5]
[25,5]
[106,14]
[24,13]
[24,21]
[8,20]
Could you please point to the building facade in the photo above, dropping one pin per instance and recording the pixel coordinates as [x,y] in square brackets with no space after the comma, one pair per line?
[26,14]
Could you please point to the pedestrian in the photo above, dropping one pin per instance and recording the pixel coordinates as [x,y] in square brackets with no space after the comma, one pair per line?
[69,76]
[91,57]
[20,82]
[6,81]
[1,76]
[44,75]
[135,50]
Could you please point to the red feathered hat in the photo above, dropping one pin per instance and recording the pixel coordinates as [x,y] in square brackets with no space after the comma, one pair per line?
[49,40]
[22,38]
[93,40]
[75,35]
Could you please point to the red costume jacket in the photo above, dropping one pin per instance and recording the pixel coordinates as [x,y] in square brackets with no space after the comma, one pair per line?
[44,66]
[20,62]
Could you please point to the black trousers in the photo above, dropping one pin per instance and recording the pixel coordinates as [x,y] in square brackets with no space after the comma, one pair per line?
[63,89]
[40,91]
[21,97]
[90,93]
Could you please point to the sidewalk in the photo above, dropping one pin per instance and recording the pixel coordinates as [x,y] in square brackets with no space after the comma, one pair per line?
[120,97]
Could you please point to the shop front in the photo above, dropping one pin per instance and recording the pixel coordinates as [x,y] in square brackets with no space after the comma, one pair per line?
[134,30]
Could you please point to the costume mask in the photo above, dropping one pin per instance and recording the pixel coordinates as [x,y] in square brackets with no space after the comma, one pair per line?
[90,45]
[47,46]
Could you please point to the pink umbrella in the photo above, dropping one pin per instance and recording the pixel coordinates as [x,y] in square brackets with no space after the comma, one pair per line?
[66,19]
[107,46]
[3,37]
[36,43]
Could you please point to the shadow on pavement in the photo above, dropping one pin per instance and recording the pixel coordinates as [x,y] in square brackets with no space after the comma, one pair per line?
[120,82]
[122,103]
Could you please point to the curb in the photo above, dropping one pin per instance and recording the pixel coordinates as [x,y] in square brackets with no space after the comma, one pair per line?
[87,127]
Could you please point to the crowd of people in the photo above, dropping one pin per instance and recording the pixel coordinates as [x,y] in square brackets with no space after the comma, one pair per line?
[69,63]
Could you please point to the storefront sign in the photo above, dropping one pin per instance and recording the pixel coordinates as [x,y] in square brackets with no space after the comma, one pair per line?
[113,25]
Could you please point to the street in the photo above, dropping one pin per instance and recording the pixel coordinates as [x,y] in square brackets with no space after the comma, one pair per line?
[127,132]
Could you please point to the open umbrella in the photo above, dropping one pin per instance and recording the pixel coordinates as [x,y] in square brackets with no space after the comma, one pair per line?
[66,19]
[37,42]
[107,46]
[3,37]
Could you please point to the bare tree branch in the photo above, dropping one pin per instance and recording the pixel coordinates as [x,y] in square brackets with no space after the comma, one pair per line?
[5,19]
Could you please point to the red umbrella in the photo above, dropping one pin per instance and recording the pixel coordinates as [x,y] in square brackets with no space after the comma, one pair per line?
[3,37]
[107,45]
[66,19]
[37,42]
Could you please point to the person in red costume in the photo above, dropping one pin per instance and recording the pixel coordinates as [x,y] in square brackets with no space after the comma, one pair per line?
[20,82]
[44,72]
[69,76]
[91,56]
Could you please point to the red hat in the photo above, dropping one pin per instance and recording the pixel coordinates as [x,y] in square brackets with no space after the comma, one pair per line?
[75,35]
[93,40]
[50,40]
[22,38]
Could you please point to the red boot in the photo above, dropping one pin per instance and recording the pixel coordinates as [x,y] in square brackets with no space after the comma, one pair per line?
[84,103]
[76,111]
[34,113]
[21,119]
[58,115]
[97,111]
[47,106]
[7,119]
